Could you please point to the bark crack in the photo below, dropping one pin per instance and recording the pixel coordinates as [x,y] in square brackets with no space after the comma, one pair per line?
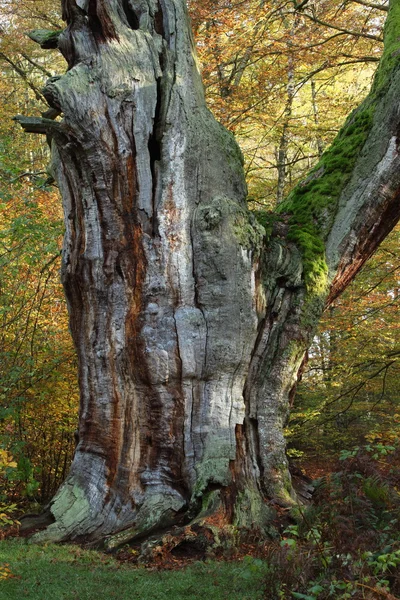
[159,20]
[130,15]
[191,424]
[154,147]
[196,299]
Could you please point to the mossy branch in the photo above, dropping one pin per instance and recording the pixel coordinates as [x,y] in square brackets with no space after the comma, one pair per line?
[46,38]
[312,205]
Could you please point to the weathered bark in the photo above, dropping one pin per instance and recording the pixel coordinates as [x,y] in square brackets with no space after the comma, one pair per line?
[189,322]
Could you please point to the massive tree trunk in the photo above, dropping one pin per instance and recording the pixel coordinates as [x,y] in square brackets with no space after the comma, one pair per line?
[190,318]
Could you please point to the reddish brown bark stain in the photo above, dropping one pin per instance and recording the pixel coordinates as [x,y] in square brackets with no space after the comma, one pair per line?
[131,185]
[132,267]
[370,236]
[122,228]
[77,222]
[123,258]
[236,466]
[238,471]
[100,22]
[114,441]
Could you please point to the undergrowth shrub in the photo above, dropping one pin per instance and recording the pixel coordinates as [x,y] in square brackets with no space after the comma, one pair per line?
[347,544]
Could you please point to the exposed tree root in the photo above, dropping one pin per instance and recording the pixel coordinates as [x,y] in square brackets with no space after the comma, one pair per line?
[217,519]
[32,522]
[161,525]
[196,541]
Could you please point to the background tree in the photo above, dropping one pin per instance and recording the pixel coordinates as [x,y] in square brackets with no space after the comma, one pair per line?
[284,78]
[38,389]
[349,391]
[37,363]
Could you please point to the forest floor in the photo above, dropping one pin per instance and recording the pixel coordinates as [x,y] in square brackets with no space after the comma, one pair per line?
[344,546]
[67,572]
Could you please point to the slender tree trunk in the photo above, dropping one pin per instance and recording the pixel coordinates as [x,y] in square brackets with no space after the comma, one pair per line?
[190,323]
[282,154]
[319,142]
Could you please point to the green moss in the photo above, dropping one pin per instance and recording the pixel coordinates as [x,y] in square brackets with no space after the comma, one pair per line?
[312,205]
[210,503]
[252,512]
[267,220]
[70,507]
[46,38]
[391,52]
[246,228]
[211,471]
[248,231]
[157,511]
[229,144]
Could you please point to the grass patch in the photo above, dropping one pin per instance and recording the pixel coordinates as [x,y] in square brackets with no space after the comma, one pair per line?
[71,573]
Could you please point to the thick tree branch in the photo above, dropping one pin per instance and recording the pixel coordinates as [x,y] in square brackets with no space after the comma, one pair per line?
[350,201]
[369,36]
[384,7]
[24,76]
[37,124]
[47,39]
[36,65]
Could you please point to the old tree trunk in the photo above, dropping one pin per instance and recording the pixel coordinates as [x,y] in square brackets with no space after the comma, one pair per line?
[190,317]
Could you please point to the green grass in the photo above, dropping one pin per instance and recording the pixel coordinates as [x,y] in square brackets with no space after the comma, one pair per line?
[70,573]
